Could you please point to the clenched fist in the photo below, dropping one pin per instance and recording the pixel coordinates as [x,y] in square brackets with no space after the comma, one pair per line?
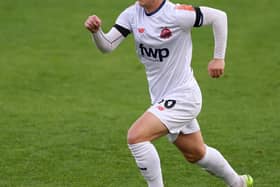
[216,68]
[93,23]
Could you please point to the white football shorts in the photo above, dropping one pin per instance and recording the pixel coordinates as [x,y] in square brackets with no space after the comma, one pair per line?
[178,112]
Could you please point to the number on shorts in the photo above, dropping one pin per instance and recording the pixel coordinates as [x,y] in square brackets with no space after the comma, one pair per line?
[169,103]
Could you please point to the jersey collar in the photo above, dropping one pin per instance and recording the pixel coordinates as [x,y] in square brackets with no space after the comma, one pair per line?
[152,13]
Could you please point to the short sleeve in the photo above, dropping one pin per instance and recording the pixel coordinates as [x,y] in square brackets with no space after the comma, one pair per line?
[124,19]
[185,16]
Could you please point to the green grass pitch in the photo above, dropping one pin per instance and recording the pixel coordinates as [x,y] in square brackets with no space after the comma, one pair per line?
[65,108]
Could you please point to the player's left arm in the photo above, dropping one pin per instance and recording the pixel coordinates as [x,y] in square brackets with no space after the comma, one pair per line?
[218,20]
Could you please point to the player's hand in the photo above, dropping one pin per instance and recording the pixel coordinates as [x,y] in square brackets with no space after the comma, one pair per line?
[216,68]
[93,23]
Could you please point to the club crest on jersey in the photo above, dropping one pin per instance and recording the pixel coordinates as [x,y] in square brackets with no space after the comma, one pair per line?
[165,33]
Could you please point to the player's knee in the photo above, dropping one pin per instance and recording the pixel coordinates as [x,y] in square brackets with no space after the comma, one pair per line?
[195,155]
[132,138]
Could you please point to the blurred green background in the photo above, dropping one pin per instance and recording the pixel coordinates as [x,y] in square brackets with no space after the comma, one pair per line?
[65,107]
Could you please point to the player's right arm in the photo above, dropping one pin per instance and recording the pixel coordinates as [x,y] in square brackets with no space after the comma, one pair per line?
[105,42]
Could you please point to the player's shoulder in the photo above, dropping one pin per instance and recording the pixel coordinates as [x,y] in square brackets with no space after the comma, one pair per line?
[184,7]
[185,15]
[180,9]
[127,14]
[184,10]
[133,7]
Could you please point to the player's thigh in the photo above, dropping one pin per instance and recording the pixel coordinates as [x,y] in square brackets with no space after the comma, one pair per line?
[146,128]
[191,145]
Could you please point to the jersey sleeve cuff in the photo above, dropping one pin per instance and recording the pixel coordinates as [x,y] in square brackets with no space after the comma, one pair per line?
[199,17]
[124,31]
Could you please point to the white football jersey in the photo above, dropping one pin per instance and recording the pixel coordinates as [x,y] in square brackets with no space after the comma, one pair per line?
[163,44]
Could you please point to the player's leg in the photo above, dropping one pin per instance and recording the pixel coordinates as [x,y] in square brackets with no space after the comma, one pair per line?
[195,151]
[147,128]
[191,145]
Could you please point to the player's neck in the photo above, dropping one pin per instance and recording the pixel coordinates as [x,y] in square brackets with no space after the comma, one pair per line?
[153,6]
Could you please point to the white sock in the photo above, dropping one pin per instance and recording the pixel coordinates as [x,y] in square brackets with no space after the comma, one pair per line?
[215,163]
[148,162]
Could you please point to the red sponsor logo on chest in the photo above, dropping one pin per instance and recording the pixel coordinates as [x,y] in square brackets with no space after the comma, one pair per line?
[141,30]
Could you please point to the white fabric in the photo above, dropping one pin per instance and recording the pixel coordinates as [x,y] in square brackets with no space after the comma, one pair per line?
[167,59]
[218,20]
[215,163]
[148,162]
[180,118]
[109,41]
